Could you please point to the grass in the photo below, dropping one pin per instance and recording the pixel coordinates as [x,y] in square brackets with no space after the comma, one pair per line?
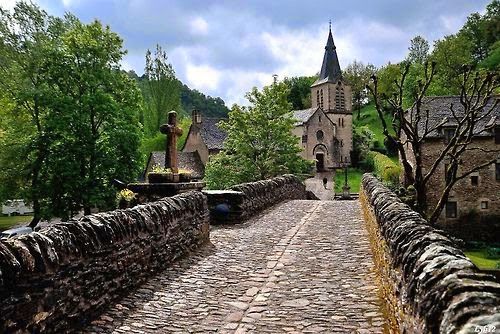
[8,222]
[369,117]
[479,258]
[353,178]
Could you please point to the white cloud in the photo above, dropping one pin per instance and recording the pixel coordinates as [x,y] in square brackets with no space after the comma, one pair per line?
[7,4]
[202,77]
[199,26]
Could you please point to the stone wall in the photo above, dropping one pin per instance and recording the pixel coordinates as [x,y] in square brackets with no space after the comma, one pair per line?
[59,278]
[429,285]
[245,200]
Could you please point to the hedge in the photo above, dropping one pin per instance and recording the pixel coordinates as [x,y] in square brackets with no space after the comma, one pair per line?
[384,167]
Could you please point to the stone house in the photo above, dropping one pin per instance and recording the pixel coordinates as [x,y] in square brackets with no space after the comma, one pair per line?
[480,191]
[204,136]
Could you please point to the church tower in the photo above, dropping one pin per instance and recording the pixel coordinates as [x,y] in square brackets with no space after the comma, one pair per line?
[333,95]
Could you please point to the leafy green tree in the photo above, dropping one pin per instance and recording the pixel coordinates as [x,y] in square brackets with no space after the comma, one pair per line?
[93,120]
[70,125]
[259,144]
[358,76]
[450,54]
[162,90]
[28,35]
[418,50]
[300,91]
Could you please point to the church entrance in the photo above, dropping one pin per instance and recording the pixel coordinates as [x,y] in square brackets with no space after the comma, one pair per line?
[320,162]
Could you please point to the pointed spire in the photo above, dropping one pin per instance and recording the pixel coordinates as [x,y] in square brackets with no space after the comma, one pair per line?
[330,69]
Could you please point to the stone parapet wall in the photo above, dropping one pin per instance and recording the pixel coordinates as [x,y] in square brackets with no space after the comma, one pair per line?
[57,279]
[429,285]
[260,195]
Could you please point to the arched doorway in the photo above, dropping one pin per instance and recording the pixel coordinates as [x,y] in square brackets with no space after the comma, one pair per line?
[320,161]
[320,153]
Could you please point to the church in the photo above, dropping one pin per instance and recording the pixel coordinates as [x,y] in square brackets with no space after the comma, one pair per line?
[324,130]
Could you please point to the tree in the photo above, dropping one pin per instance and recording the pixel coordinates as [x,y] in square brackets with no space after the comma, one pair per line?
[411,128]
[71,122]
[300,91]
[162,90]
[93,120]
[418,50]
[259,143]
[358,76]
[450,54]
[28,36]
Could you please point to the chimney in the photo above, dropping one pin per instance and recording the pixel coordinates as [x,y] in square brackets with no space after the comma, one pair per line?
[196,116]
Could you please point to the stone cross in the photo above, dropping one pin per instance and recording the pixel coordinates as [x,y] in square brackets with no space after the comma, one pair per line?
[172,131]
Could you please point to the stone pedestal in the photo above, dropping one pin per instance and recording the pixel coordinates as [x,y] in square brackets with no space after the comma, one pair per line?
[154,191]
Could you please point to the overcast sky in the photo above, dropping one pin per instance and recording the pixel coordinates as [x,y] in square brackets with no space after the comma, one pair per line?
[224,48]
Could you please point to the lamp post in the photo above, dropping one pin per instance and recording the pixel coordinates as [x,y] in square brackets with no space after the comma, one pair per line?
[346,189]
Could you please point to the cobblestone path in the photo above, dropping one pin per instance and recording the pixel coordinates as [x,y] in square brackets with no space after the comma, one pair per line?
[300,267]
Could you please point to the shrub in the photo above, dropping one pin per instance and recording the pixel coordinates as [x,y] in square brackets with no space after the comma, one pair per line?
[384,168]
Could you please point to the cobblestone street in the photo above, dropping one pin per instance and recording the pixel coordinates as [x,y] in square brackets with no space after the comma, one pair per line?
[300,267]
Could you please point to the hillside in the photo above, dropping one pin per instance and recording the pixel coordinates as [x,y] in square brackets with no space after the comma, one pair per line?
[369,117]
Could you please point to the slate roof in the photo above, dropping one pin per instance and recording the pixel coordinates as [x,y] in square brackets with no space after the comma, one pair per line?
[187,160]
[330,69]
[302,116]
[212,135]
[440,114]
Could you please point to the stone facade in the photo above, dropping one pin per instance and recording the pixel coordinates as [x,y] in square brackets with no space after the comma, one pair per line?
[61,277]
[477,194]
[204,136]
[430,285]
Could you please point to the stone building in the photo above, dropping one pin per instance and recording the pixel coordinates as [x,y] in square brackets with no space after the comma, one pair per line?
[204,136]
[326,128]
[480,191]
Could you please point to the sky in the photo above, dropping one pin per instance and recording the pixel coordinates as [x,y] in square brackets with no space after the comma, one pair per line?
[224,48]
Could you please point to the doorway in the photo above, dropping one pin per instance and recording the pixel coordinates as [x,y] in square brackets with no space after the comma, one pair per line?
[320,162]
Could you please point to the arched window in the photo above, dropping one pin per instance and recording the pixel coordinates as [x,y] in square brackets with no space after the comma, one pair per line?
[320,135]
[337,98]
[321,99]
[342,100]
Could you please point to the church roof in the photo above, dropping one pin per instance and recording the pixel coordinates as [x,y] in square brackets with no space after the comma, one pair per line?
[330,69]
[302,116]
[213,136]
[186,160]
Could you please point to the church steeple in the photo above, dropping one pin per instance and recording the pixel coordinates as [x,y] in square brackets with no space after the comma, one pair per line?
[330,69]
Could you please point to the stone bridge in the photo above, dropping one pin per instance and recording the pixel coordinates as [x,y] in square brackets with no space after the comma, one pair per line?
[283,265]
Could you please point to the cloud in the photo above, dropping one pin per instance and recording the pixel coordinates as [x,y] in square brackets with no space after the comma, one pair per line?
[224,48]
[199,26]
[7,4]
[202,77]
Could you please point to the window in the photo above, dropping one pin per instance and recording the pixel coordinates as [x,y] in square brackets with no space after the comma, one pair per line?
[342,122]
[319,119]
[321,99]
[474,180]
[448,134]
[317,97]
[446,166]
[497,135]
[497,171]
[304,138]
[320,135]
[484,205]
[451,209]
[341,143]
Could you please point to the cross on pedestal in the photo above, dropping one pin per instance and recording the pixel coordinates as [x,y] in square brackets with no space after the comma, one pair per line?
[172,131]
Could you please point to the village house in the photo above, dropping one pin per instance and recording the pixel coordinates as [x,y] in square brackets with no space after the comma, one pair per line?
[479,193]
